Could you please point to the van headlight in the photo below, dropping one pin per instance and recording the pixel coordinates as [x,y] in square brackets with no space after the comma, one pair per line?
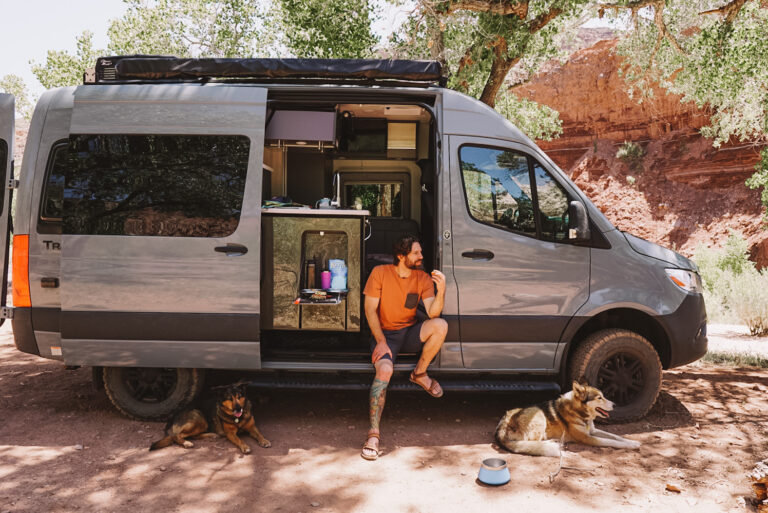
[689,281]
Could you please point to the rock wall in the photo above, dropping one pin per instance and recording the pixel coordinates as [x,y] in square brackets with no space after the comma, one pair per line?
[684,193]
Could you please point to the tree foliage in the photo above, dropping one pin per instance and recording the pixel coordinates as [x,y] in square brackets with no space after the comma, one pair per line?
[190,28]
[488,46]
[713,56]
[760,179]
[14,84]
[711,53]
[61,68]
[328,29]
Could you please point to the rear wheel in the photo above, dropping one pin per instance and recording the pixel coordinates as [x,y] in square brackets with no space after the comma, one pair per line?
[147,393]
[624,366]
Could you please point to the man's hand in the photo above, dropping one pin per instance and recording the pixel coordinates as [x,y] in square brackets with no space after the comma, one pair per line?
[380,350]
[439,279]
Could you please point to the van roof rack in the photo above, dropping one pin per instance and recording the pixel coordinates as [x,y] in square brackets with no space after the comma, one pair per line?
[167,69]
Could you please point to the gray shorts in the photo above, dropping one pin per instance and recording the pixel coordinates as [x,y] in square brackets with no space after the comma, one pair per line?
[405,340]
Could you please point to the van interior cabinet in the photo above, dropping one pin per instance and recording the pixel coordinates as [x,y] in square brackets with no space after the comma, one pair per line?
[293,238]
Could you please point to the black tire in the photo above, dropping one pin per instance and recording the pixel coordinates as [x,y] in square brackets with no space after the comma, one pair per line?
[624,366]
[145,393]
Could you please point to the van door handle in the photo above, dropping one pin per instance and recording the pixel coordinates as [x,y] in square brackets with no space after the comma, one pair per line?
[49,283]
[478,254]
[232,249]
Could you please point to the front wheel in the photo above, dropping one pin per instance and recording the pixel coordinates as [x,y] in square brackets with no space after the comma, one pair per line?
[146,393]
[624,366]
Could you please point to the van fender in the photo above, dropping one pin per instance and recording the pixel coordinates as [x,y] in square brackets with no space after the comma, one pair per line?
[585,314]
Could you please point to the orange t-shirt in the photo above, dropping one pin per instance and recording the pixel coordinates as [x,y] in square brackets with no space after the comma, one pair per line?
[398,296]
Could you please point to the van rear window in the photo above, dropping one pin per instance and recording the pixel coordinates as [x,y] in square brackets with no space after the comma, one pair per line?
[154,185]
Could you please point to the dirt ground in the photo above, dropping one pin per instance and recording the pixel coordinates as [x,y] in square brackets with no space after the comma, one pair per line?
[64,448]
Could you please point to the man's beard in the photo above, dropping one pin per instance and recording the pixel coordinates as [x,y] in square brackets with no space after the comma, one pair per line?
[414,264]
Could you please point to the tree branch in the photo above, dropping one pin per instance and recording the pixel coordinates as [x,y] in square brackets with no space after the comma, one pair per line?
[658,18]
[501,7]
[541,21]
[731,10]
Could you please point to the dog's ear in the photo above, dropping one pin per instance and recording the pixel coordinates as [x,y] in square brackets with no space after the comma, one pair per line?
[578,391]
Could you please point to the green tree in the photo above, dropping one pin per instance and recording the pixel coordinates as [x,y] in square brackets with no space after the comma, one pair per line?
[487,46]
[326,29]
[62,68]
[493,36]
[760,179]
[15,85]
[190,28]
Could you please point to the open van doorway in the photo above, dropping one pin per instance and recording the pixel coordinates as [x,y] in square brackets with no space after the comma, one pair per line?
[346,183]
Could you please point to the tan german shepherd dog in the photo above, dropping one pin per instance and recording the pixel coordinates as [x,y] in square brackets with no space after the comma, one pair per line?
[570,418]
[229,414]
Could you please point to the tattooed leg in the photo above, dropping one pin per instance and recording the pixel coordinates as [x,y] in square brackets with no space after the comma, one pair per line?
[376,401]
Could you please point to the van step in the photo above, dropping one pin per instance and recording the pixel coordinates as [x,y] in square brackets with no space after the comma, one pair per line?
[452,385]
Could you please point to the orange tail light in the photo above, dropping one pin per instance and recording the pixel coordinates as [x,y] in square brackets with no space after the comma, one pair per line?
[21,271]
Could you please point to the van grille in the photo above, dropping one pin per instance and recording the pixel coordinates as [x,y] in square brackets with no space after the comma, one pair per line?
[108,73]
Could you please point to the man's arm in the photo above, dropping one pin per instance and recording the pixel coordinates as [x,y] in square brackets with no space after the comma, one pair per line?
[372,316]
[434,305]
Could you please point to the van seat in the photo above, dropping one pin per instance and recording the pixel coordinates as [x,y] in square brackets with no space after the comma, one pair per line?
[384,232]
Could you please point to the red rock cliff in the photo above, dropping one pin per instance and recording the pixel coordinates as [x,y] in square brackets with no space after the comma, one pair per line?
[685,193]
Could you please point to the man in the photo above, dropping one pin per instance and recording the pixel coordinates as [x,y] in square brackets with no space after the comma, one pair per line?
[392,294]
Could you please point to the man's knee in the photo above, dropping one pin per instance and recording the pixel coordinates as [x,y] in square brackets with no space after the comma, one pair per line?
[384,370]
[438,327]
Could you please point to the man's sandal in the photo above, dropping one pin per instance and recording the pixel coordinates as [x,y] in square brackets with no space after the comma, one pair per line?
[374,451]
[434,389]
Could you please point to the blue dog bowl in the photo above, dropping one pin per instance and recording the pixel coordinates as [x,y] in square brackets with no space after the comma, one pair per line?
[494,472]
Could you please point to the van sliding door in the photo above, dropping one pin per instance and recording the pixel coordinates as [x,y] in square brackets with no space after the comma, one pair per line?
[161,230]
[6,158]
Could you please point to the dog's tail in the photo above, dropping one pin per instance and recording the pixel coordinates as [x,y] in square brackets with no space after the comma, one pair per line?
[163,442]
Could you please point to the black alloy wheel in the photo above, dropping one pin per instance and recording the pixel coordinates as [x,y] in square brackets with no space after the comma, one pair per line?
[621,378]
[150,385]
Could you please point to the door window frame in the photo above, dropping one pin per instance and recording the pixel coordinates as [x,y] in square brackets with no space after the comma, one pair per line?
[531,161]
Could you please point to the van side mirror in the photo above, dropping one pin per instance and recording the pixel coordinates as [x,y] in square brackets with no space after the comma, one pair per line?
[578,222]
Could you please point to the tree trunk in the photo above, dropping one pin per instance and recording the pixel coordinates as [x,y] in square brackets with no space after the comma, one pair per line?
[437,52]
[499,70]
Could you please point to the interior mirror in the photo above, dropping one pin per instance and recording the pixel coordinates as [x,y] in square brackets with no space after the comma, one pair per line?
[578,222]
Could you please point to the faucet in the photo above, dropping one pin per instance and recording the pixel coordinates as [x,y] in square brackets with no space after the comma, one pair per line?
[336,201]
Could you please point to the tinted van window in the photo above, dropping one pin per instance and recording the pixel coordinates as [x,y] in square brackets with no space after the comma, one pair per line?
[498,188]
[553,205]
[497,184]
[154,185]
[53,195]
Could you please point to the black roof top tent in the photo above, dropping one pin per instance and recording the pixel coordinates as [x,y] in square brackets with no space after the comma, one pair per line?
[153,68]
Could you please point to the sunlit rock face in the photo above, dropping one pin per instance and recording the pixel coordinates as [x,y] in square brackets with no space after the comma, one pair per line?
[683,192]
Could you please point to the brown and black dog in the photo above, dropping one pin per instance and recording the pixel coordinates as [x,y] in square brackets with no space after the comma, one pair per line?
[227,415]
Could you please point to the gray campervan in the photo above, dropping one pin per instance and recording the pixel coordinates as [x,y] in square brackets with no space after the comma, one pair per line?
[179,215]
